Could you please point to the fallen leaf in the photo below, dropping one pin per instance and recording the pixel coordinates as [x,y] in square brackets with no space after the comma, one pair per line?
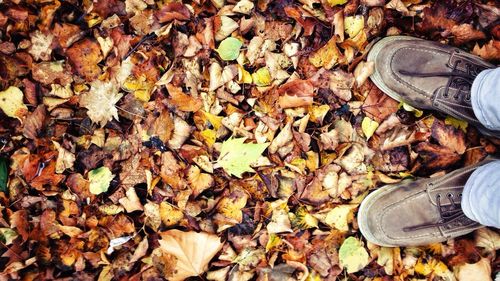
[262,77]
[448,136]
[352,255]
[236,156]
[327,56]
[489,51]
[11,103]
[193,251]
[100,179]
[65,159]
[296,93]
[131,202]
[339,217]
[480,271]
[85,55]
[100,102]
[369,127]
[229,48]
[7,235]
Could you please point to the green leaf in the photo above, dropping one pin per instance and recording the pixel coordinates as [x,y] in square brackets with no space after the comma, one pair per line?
[352,255]
[99,180]
[229,48]
[7,235]
[4,174]
[236,156]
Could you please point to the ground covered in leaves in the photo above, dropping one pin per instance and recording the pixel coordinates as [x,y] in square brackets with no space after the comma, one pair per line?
[150,140]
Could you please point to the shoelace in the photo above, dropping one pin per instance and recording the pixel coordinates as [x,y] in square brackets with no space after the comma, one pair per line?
[447,213]
[461,80]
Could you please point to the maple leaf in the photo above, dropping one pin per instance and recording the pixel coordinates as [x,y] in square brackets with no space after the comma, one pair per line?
[192,251]
[100,102]
[236,156]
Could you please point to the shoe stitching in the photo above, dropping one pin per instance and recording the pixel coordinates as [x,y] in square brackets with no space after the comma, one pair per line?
[392,206]
[388,70]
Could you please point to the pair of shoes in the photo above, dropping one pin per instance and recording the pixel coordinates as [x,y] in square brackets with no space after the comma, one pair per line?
[431,76]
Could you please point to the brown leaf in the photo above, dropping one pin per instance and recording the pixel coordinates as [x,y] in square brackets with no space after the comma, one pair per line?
[436,18]
[465,33]
[182,101]
[435,156]
[173,11]
[378,105]
[448,136]
[34,123]
[490,51]
[296,93]
[51,72]
[84,57]
[19,221]
[132,172]
[66,34]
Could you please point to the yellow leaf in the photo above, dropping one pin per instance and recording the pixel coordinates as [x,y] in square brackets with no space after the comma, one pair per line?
[336,2]
[369,126]
[303,219]
[409,108]
[209,136]
[326,56]
[170,215]
[339,217]
[244,76]
[11,103]
[262,77]
[153,217]
[457,123]
[353,25]
[273,242]
[193,251]
[386,259]
[140,87]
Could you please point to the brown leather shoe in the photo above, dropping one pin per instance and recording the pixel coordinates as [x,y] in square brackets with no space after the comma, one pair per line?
[428,75]
[417,212]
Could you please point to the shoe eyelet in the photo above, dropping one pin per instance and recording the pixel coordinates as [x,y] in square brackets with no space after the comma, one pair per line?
[450,195]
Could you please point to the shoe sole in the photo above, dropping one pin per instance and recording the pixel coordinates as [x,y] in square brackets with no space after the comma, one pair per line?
[376,77]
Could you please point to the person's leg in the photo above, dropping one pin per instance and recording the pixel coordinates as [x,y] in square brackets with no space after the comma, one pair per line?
[481,195]
[485,99]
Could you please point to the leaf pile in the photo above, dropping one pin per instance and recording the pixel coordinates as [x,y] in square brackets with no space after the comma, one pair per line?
[223,140]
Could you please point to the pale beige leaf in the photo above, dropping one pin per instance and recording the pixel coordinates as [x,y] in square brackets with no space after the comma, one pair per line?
[480,271]
[192,250]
